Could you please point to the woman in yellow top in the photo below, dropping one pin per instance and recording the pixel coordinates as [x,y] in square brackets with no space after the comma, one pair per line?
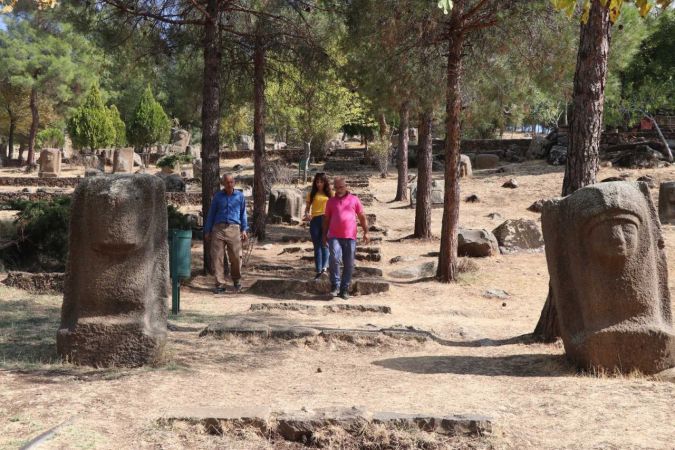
[316,204]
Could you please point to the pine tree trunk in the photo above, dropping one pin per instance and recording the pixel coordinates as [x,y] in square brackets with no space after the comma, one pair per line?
[10,138]
[210,117]
[447,259]
[588,100]
[585,129]
[402,159]
[35,123]
[424,167]
[259,191]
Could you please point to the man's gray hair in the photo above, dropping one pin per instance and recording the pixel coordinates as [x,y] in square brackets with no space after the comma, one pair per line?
[339,178]
[227,175]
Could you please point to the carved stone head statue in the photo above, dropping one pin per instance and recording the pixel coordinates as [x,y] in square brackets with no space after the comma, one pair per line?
[609,276]
[116,290]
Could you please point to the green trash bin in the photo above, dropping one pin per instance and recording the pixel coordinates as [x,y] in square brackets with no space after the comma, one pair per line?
[180,263]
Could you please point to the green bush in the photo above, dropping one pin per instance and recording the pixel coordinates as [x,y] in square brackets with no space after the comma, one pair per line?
[149,124]
[172,160]
[41,235]
[91,126]
[120,129]
[51,138]
[177,220]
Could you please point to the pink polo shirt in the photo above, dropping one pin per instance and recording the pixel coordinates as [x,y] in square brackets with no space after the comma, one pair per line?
[341,215]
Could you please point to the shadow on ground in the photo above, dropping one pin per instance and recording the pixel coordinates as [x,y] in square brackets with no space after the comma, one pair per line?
[27,332]
[534,365]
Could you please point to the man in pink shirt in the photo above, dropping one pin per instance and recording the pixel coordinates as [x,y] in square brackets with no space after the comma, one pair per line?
[339,232]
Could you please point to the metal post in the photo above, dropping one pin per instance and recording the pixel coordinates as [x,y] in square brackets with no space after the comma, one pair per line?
[175,281]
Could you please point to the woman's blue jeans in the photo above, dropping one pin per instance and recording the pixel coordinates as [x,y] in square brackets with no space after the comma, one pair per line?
[320,251]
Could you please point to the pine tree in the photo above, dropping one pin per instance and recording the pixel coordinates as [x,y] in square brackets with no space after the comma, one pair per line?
[91,125]
[149,124]
[120,129]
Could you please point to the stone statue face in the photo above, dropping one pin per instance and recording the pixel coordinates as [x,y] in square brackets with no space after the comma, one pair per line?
[614,235]
[116,227]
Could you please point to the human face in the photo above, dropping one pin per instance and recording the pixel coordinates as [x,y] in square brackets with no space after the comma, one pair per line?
[228,184]
[319,185]
[340,188]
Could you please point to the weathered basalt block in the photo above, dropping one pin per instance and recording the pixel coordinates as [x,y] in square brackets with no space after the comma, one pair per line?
[50,163]
[116,289]
[123,160]
[667,202]
[609,276]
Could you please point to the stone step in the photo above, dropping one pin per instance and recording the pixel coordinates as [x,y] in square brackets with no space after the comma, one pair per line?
[306,272]
[285,288]
[338,307]
[302,426]
[370,257]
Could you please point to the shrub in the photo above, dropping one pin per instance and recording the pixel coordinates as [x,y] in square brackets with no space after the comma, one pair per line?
[380,151]
[91,126]
[41,234]
[51,138]
[149,124]
[120,129]
[177,220]
[176,158]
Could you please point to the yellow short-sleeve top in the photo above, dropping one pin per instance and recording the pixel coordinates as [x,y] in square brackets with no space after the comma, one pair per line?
[318,204]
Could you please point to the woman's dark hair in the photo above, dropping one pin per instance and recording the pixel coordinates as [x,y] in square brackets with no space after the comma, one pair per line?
[326,186]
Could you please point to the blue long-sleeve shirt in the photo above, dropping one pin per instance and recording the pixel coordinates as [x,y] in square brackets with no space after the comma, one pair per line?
[229,209]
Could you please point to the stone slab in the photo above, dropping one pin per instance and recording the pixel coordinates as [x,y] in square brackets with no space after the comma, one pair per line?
[300,426]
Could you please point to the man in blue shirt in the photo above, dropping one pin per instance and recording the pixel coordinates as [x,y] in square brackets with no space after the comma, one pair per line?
[226,227]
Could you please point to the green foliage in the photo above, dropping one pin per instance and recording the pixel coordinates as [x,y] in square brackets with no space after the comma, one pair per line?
[170,161]
[42,232]
[380,150]
[119,128]
[91,126]
[51,138]
[149,124]
[236,121]
[615,7]
[177,220]
[649,80]
[54,61]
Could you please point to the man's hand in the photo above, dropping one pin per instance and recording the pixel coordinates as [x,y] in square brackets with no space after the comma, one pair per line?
[366,238]
[244,236]
[207,237]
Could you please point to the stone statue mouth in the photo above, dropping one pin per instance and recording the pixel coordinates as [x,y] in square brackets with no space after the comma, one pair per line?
[116,248]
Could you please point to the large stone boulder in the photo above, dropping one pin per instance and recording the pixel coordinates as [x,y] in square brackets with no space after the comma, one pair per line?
[172,182]
[477,243]
[609,278]
[558,155]
[537,148]
[117,278]
[486,161]
[286,205]
[518,235]
[437,193]
[465,166]
[50,163]
[123,160]
[197,169]
[667,202]
[180,139]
